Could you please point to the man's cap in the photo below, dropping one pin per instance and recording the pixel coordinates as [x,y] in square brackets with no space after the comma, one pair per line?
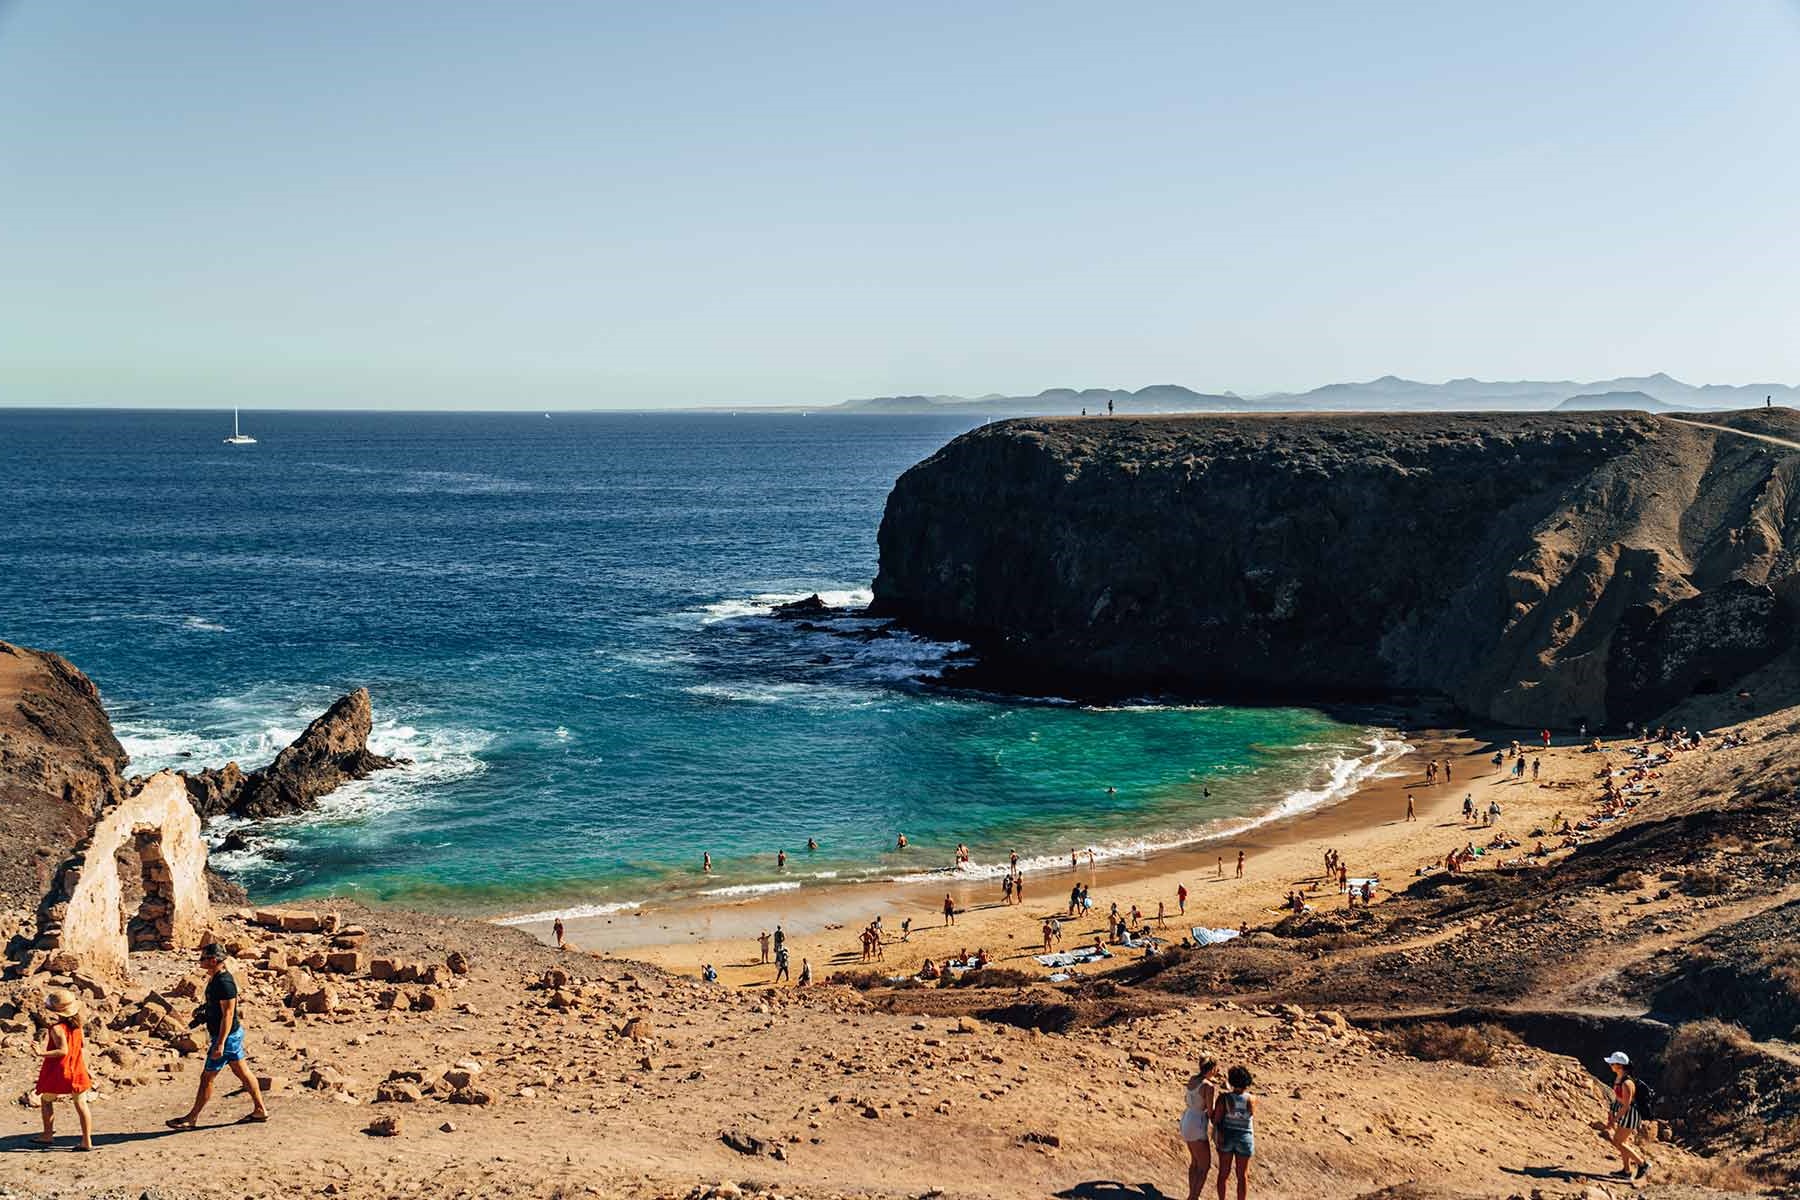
[213,950]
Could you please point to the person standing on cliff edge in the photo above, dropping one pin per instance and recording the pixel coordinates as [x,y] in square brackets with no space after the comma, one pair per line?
[225,1044]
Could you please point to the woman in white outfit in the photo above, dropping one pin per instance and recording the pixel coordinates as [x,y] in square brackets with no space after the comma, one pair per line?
[1196,1125]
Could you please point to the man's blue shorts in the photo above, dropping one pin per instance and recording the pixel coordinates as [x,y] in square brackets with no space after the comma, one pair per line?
[232,1051]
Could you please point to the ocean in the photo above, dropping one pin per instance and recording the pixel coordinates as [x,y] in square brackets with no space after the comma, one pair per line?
[563,621]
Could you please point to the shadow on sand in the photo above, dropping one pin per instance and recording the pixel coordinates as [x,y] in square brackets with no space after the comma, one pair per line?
[1112,1189]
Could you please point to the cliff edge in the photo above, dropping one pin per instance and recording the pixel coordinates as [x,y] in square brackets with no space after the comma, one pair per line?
[1536,569]
[59,766]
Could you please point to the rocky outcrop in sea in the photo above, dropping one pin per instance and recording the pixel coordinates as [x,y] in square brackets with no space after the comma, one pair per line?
[332,751]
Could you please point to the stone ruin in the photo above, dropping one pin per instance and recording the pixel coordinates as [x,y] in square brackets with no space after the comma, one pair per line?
[138,882]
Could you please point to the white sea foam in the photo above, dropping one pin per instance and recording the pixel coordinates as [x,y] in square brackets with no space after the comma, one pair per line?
[763,604]
[251,728]
[570,914]
[751,889]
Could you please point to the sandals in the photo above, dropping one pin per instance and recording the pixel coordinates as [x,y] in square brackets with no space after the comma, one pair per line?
[180,1123]
[253,1118]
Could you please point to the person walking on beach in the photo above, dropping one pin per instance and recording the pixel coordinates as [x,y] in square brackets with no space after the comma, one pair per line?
[1048,936]
[1019,888]
[1162,917]
[1468,807]
[762,946]
[557,929]
[1537,764]
[1181,898]
[780,937]
[1234,1116]
[1006,889]
[1196,1124]
[949,910]
[1240,869]
[781,963]
[1546,736]
[805,972]
[64,1070]
[1410,814]
[1446,771]
[1623,1121]
[1221,874]
[1431,772]
[225,1045]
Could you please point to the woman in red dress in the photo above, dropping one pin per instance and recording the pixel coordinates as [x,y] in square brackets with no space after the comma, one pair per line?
[64,1072]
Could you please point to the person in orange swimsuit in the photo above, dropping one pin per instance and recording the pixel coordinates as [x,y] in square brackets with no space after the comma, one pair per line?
[64,1072]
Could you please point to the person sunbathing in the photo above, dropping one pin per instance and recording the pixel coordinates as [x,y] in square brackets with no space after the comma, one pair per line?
[929,970]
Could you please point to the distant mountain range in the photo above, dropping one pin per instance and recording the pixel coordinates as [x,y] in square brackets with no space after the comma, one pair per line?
[1651,393]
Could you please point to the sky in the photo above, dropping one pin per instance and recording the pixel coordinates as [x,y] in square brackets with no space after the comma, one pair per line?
[586,205]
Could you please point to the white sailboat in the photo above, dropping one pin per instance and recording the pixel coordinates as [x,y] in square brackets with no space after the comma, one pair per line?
[237,437]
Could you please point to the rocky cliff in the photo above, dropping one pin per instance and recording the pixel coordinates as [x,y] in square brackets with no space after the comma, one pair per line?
[1535,569]
[333,750]
[59,766]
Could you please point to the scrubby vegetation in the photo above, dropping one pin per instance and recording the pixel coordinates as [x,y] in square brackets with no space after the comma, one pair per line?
[1435,1041]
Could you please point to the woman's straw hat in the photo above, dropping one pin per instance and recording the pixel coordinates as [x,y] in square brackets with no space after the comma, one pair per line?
[62,1003]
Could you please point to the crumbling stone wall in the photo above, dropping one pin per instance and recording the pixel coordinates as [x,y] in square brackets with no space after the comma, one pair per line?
[137,882]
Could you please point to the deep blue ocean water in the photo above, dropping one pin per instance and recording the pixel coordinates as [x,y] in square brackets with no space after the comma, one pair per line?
[563,622]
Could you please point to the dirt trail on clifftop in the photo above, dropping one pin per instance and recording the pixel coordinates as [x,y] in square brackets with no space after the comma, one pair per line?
[1761,437]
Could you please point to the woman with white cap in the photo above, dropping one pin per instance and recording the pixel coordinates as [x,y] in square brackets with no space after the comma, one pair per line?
[1622,1119]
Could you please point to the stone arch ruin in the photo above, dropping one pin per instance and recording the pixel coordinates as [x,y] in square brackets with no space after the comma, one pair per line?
[137,883]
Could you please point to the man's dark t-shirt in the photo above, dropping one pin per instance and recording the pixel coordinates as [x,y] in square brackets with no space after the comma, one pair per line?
[220,988]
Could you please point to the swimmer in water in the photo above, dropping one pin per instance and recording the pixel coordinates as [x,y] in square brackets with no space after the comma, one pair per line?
[706,862]
[812,844]
[900,842]
[781,860]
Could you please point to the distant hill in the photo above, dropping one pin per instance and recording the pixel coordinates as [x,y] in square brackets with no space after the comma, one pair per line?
[1055,402]
[1619,402]
[1390,393]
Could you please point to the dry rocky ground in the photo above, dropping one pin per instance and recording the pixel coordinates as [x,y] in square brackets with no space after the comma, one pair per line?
[432,1057]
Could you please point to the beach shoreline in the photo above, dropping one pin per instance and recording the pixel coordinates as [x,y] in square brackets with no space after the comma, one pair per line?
[1368,827]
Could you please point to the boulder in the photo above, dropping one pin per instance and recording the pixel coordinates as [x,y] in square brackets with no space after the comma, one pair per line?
[322,1002]
[383,1127]
[331,752]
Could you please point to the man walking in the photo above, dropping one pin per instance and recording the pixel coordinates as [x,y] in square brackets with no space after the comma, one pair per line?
[225,1041]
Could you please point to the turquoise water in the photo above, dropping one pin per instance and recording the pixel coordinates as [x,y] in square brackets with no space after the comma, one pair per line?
[564,623]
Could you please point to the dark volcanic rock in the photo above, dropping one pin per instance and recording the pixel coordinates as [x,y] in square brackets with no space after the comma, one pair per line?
[333,750]
[1695,645]
[59,764]
[213,790]
[811,606]
[1489,558]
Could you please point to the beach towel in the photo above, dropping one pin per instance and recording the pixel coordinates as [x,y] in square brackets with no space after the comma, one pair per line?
[1355,885]
[1070,958]
[1211,937]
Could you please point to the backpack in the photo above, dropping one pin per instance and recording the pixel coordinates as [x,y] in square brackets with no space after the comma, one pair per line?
[1644,1097]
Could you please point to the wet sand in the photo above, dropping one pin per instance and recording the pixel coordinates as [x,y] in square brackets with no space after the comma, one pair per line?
[1368,828]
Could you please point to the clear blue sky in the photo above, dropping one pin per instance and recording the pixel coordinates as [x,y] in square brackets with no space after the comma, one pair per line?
[584,204]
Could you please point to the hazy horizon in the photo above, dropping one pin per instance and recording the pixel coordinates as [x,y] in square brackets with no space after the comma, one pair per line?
[599,207]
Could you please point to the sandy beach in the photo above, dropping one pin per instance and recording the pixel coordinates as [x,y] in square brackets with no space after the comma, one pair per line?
[1368,828]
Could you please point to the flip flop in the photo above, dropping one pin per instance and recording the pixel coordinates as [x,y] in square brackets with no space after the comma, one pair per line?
[253,1118]
[41,1140]
[180,1123]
